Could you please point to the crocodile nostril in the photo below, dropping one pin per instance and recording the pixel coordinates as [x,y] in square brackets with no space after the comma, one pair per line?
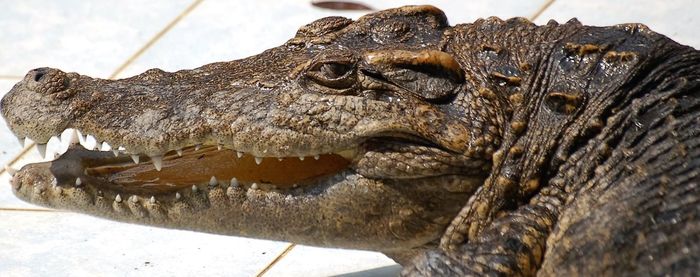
[39,73]
[38,76]
[47,80]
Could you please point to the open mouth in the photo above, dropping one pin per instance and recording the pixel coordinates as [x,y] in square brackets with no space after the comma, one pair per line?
[118,171]
[213,165]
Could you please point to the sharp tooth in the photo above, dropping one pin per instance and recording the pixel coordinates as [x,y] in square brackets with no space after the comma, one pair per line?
[179,152]
[106,146]
[41,147]
[194,188]
[197,146]
[152,200]
[157,161]
[134,199]
[258,160]
[213,181]
[234,182]
[116,152]
[316,157]
[301,158]
[219,147]
[178,196]
[78,182]
[239,154]
[118,199]
[135,158]
[121,148]
[21,140]
[254,186]
[81,138]
[12,171]
[73,138]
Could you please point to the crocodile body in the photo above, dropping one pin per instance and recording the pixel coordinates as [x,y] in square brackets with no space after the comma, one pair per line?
[489,148]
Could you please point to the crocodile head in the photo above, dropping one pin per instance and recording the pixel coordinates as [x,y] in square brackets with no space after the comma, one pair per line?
[362,134]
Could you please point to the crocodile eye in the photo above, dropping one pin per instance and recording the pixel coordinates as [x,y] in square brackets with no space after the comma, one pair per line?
[333,75]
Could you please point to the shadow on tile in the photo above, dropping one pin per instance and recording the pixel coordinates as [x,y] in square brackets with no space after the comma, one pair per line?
[391,270]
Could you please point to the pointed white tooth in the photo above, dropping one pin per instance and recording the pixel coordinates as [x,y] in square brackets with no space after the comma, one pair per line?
[301,158]
[258,160]
[80,137]
[219,147]
[197,147]
[178,196]
[78,182]
[121,148]
[152,200]
[41,147]
[234,182]
[179,152]
[73,137]
[135,158]
[21,140]
[254,186]
[90,142]
[239,154]
[116,153]
[157,161]
[194,188]
[106,146]
[213,181]
[10,170]
[134,198]
[316,157]
[118,199]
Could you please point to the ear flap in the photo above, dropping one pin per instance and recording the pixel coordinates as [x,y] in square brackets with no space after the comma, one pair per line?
[430,74]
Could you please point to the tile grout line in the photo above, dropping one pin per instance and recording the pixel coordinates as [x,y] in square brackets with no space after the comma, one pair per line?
[541,10]
[28,210]
[155,38]
[276,260]
[123,66]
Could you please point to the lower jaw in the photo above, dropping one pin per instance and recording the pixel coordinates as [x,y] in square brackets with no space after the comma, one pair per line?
[306,215]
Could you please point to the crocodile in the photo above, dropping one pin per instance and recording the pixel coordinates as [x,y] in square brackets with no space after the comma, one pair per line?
[498,147]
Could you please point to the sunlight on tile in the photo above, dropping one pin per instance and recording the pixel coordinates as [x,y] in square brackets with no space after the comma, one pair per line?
[66,244]
[90,37]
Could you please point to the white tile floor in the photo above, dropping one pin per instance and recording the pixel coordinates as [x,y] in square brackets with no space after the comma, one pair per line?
[98,37]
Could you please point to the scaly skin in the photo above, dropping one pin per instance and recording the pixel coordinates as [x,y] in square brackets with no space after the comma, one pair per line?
[490,148]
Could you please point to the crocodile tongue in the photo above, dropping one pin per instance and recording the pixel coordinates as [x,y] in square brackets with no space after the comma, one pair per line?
[196,167]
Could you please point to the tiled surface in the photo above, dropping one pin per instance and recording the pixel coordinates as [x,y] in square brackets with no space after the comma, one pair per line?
[92,37]
[96,37]
[78,245]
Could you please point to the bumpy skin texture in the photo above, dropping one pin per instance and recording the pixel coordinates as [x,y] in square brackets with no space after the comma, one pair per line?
[491,148]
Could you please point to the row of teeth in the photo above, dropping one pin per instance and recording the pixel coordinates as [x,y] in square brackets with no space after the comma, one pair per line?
[72,137]
[213,182]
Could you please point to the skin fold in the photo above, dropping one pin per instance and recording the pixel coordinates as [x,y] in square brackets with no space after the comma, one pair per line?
[488,148]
